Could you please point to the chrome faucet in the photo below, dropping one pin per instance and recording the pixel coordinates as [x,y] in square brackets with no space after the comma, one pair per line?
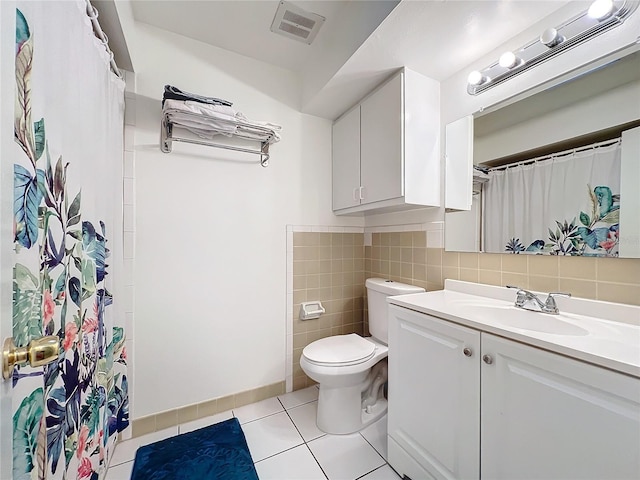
[530,301]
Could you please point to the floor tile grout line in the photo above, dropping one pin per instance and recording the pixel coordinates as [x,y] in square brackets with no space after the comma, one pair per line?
[294,426]
[260,418]
[374,448]
[296,406]
[317,462]
[314,457]
[377,468]
[306,444]
[294,423]
[276,454]
[118,464]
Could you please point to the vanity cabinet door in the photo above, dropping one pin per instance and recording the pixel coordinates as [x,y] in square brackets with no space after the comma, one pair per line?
[546,416]
[434,397]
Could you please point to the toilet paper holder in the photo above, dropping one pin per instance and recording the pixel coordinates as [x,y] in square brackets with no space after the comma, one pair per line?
[311,310]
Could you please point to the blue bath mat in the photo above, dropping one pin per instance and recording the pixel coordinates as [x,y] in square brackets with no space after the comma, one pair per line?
[217,452]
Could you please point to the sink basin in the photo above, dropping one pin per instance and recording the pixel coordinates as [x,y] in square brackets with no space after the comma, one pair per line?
[507,315]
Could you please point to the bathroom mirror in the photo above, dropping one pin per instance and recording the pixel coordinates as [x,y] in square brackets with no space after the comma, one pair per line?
[560,133]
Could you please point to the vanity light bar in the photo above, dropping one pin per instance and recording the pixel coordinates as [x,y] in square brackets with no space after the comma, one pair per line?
[601,16]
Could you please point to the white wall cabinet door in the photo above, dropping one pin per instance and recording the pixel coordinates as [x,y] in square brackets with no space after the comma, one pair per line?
[629,181]
[346,160]
[434,397]
[381,143]
[545,416]
[459,164]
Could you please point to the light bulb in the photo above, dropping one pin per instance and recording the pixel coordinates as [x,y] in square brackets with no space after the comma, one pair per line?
[600,9]
[551,38]
[508,60]
[475,78]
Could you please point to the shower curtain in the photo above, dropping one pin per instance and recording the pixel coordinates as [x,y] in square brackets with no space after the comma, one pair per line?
[566,205]
[67,157]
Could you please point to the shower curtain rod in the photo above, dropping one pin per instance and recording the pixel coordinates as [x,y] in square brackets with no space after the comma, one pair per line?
[92,12]
[604,143]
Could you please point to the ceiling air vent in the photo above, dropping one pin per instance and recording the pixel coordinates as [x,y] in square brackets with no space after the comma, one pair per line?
[296,23]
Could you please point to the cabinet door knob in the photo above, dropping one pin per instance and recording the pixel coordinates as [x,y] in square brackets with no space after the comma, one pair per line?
[467,352]
[488,359]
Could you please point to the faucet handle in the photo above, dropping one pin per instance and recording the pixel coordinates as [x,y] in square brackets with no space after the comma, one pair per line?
[558,294]
[520,291]
[521,295]
[550,303]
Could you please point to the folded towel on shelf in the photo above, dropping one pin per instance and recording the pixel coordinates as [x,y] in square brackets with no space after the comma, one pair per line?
[206,121]
[174,93]
[274,128]
[218,111]
[207,127]
[209,120]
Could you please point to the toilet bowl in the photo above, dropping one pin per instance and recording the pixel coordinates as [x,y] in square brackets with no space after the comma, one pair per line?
[352,370]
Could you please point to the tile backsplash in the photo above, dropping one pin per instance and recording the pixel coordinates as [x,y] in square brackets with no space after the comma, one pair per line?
[609,279]
[332,268]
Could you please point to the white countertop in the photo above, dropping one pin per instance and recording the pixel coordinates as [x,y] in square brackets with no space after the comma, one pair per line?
[602,333]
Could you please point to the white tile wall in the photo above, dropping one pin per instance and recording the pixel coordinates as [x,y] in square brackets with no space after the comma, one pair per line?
[128,238]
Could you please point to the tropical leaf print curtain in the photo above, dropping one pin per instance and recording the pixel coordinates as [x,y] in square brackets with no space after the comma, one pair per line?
[68,151]
[569,205]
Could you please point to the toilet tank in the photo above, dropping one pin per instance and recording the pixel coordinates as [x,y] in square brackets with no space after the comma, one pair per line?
[378,289]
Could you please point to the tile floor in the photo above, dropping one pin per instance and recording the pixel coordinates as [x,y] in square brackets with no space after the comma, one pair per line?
[285,443]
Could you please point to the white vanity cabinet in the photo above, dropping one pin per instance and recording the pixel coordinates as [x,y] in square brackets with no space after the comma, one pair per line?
[386,149]
[546,416]
[502,409]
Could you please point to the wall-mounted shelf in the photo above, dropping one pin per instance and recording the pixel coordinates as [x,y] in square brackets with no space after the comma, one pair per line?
[207,128]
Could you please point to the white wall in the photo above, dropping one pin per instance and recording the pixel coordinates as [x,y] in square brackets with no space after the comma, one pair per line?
[210,284]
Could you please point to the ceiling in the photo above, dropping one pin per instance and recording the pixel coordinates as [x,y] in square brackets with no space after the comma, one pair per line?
[244,26]
[361,41]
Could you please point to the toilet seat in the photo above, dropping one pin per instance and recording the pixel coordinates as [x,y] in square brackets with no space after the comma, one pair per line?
[339,351]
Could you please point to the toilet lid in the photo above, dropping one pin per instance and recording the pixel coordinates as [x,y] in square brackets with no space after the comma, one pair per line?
[339,349]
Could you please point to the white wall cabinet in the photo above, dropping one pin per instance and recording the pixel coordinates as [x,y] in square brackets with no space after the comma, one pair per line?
[505,411]
[386,150]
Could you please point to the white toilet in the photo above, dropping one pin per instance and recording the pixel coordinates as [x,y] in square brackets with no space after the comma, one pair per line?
[352,370]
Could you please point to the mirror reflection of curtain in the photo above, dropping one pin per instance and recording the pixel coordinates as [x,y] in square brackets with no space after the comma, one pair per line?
[565,205]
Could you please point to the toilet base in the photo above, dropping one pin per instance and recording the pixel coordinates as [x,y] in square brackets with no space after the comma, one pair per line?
[340,410]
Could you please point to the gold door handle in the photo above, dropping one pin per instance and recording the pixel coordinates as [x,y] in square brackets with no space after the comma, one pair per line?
[40,351]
